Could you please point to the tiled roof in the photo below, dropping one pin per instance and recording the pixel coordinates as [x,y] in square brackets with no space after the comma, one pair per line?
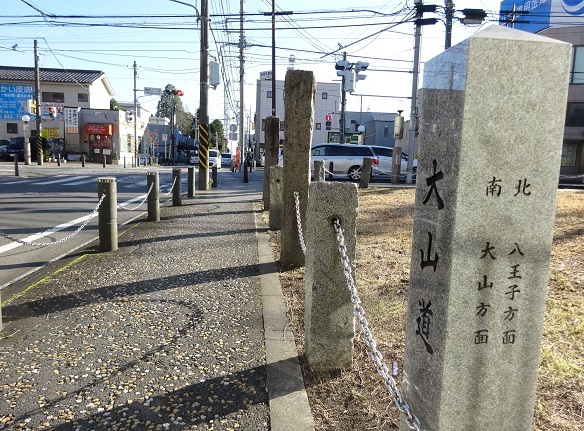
[9,73]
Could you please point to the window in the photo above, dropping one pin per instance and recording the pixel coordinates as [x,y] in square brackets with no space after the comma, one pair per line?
[317,126]
[82,97]
[129,141]
[53,97]
[11,127]
[328,125]
[269,94]
[577,72]
[569,154]
[324,95]
[281,125]
[575,114]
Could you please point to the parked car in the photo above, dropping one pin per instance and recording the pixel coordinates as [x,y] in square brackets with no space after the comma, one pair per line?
[280,157]
[3,144]
[214,159]
[385,155]
[347,159]
[16,146]
[226,159]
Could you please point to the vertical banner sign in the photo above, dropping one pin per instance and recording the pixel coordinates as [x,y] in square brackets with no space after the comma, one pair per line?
[204,145]
[71,120]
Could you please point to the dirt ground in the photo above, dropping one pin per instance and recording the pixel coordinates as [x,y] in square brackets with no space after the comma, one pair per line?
[357,399]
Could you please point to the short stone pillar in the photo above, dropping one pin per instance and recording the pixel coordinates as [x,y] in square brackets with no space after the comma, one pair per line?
[153,184]
[16,174]
[328,311]
[300,87]
[365,173]
[490,150]
[276,190]
[396,165]
[319,170]
[108,214]
[245,172]
[82,160]
[214,177]
[272,136]
[176,188]
[191,181]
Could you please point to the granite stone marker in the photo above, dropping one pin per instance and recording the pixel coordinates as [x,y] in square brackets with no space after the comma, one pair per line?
[319,170]
[328,312]
[365,173]
[491,130]
[300,87]
[272,134]
[276,190]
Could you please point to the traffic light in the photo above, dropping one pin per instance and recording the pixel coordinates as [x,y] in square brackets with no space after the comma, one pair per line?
[342,65]
[198,116]
[129,116]
[52,112]
[177,93]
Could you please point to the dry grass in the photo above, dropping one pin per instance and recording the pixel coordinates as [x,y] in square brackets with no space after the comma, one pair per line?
[356,399]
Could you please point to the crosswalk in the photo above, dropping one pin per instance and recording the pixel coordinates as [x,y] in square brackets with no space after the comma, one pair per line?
[125,182]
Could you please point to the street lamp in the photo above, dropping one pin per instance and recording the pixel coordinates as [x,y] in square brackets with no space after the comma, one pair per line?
[26,133]
[361,130]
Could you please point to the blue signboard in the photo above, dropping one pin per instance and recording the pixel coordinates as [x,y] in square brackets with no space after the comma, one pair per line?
[13,99]
[536,15]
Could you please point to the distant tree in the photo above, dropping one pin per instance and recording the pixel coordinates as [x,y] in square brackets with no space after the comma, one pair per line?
[217,133]
[114,104]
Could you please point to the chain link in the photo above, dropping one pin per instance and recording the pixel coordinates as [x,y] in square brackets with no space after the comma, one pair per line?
[298,223]
[412,421]
[124,207]
[46,244]
[170,191]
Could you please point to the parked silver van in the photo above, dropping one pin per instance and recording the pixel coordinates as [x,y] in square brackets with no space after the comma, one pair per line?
[347,159]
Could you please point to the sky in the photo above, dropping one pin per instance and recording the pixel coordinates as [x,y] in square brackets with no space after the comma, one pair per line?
[163,38]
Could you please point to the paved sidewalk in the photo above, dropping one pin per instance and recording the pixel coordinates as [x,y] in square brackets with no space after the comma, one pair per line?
[170,332]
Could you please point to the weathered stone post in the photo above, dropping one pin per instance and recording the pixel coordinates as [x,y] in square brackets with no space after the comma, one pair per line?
[328,312]
[191,181]
[214,177]
[272,134]
[490,149]
[153,180]
[396,165]
[276,190]
[319,170]
[365,173]
[299,106]
[177,188]
[108,214]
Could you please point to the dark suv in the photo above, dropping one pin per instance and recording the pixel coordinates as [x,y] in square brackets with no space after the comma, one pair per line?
[16,146]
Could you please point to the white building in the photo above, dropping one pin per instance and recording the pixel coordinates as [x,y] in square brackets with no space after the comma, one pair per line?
[326,104]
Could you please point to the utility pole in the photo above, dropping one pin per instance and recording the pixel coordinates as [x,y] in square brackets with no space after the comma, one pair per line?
[449,7]
[204,112]
[343,103]
[273,58]
[241,84]
[39,109]
[412,131]
[136,109]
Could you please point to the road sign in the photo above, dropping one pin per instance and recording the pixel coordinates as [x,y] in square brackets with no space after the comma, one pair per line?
[164,137]
[233,128]
[151,91]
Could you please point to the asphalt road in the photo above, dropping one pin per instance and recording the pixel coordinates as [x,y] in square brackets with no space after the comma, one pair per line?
[47,204]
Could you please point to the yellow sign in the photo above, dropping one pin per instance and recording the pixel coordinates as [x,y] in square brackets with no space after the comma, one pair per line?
[51,133]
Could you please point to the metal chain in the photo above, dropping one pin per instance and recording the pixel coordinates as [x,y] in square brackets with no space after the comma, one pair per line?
[170,191]
[46,244]
[298,222]
[412,420]
[124,207]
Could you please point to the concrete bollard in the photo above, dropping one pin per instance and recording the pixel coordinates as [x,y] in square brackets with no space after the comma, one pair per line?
[16,174]
[176,190]
[365,173]
[396,164]
[153,180]
[214,177]
[276,191]
[58,160]
[245,174]
[319,170]
[191,181]
[104,161]
[328,312]
[82,160]
[108,214]
[331,177]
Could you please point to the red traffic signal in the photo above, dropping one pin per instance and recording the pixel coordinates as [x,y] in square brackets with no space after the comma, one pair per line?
[329,117]
[177,92]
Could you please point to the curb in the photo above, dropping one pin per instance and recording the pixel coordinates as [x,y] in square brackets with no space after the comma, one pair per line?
[288,401]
